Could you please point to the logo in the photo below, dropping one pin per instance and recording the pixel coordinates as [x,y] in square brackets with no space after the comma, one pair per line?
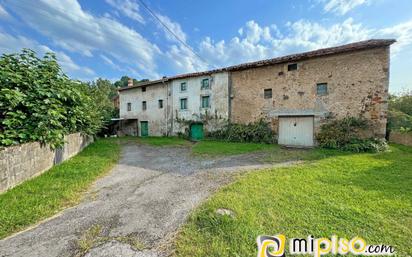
[274,246]
[271,246]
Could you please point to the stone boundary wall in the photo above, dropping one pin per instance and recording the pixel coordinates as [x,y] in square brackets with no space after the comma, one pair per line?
[401,138]
[22,162]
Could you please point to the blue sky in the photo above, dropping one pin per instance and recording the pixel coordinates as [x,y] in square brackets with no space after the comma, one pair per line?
[111,38]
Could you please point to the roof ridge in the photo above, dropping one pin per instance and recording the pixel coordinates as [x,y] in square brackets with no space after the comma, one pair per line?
[355,46]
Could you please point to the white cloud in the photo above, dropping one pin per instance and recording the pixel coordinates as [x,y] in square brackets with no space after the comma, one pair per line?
[3,13]
[259,42]
[127,7]
[13,44]
[174,27]
[77,31]
[401,32]
[341,7]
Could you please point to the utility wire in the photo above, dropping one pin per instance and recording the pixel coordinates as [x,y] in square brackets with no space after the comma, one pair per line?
[171,32]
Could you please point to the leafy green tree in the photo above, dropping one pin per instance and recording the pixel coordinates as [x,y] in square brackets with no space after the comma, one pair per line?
[38,102]
[400,111]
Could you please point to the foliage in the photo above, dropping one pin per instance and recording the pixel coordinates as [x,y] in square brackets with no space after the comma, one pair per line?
[345,134]
[255,132]
[40,103]
[57,188]
[336,195]
[400,112]
[124,80]
[213,120]
[103,91]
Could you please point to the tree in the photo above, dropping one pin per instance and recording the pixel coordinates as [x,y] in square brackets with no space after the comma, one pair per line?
[124,80]
[38,102]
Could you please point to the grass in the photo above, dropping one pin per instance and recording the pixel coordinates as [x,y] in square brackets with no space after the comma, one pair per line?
[366,195]
[58,188]
[163,141]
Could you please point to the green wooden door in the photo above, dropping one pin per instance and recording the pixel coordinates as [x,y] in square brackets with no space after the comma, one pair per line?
[196,131]
[144,129]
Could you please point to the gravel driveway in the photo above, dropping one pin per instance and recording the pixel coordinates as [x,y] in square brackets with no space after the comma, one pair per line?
[133,211]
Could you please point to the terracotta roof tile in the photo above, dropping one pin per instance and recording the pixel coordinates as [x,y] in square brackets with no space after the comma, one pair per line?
[362,45]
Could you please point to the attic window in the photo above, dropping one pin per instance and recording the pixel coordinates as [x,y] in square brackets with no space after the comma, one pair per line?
[205,84]
[267,93]
[292,66]
[143,89]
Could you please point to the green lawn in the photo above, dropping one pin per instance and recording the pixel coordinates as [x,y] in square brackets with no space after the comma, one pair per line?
[58,188]
[366,195]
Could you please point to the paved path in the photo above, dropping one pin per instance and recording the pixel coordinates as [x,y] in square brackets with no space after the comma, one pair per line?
[140,204]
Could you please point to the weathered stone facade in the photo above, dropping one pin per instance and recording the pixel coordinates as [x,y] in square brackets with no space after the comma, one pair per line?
[158,118]
[218,110]
[22,162]
[357,85]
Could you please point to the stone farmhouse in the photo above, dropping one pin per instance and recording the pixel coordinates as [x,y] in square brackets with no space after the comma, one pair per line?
[295,93]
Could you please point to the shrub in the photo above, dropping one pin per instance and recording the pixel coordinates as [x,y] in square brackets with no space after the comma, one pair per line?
[40,103]
[256,132]
[344,134]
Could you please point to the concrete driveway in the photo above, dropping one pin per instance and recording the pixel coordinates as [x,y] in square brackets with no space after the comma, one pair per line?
[133,211]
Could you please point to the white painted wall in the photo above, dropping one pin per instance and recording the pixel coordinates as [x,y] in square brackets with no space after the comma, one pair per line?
[156,117]
[219,99]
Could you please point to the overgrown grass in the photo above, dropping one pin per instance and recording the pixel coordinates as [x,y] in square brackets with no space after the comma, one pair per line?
[366,195]
[59,187]
[163,141]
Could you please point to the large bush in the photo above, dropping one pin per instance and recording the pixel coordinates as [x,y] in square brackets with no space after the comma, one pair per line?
[40,103]
[256,132]
[345,134]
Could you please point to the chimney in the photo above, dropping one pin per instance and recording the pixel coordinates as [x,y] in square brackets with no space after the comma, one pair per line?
[130,82]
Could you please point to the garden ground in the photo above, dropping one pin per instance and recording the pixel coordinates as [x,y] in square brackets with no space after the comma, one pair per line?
[137,208]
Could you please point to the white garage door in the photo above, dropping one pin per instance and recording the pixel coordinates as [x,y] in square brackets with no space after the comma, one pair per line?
[296,131]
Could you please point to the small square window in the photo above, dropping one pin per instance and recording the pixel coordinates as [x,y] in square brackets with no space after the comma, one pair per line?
[160,104]
[267,93]
[322,89]
[183,86]
[129,107]
[292,66]
[143,89]
[205,84]
[205,101]
[183,104]
[144,105]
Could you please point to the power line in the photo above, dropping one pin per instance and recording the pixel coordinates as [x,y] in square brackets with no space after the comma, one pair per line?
[171,32]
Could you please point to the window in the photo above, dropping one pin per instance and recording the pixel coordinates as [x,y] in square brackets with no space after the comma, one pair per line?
[160,104]
[144,105]
[183,86]
[143,89]
[205,84]
[292,66]
[205,101]
[129,107]
[322,89]
[267,93]
[183,104]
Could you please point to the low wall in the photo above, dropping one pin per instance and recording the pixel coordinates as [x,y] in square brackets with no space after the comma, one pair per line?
[401,138]
[22,162]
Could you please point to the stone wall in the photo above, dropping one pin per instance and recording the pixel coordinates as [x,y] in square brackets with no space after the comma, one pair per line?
[357,86]
[400,138]
[22,162]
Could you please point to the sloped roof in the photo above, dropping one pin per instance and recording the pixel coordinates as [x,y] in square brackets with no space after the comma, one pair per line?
[362,45]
